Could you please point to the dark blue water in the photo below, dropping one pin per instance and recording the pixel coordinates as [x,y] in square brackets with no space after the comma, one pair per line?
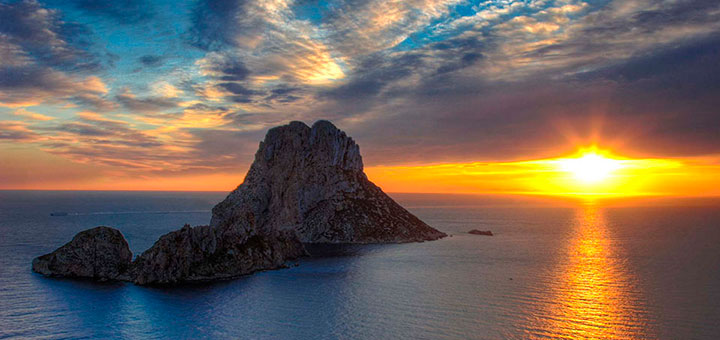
[554,269]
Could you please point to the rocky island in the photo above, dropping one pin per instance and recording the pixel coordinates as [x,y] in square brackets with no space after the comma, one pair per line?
[100,253]
[306,185]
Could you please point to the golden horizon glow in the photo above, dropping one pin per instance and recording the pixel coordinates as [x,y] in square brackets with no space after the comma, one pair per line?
[591,171]
[598,172]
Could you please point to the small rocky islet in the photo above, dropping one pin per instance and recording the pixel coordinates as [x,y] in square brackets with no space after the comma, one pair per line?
[306,185]
[100,253]
[481,232]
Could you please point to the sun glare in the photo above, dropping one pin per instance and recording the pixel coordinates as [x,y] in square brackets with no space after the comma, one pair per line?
[590,166]
[590,172]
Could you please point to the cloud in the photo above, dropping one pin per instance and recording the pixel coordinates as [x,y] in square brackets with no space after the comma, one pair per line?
[236,89]
[367,27]
[225,150]
[220,23]
[147,104]
[284,94]
[602,37]
[16,131]
[223,67]
[121,11]
[151,60]
[184,146]
[677,87]
[45,58]
[95,101]
[31,84]
[197,116]
[384,76]
[39,35]
[165,89]
[92,138]
[261,45]
[374,73]
[32,115]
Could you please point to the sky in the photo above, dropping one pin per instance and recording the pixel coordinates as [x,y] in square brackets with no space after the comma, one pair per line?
[176,95]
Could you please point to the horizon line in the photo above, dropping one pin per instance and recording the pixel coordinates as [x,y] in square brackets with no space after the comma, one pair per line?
[534,194]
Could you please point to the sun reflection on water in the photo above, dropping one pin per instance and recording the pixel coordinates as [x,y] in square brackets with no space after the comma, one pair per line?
[593,296]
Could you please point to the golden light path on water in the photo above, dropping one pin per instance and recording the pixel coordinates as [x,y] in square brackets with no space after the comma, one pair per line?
[594,295]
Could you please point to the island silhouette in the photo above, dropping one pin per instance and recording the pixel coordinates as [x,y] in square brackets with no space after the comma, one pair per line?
[305,186]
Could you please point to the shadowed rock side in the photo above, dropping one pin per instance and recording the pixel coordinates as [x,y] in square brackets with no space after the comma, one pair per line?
[312,180]
[99,253]
[205,253]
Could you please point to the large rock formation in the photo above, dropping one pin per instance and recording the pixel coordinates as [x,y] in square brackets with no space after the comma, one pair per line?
[100,253]
[312,180]
[306,185]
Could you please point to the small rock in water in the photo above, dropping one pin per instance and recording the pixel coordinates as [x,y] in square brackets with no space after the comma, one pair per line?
[480,232]
[100,253]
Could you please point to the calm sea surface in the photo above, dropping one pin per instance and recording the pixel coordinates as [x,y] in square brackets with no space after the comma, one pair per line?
[554,269]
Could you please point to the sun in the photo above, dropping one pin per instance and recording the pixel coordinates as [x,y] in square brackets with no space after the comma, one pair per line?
[590,166]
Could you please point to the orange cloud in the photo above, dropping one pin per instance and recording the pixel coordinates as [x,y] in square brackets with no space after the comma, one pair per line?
[32,115]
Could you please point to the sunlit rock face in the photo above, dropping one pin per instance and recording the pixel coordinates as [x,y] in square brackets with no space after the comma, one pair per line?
[311,180]
[100,253]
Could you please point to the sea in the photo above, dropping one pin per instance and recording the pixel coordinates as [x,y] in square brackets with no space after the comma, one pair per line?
[556,268]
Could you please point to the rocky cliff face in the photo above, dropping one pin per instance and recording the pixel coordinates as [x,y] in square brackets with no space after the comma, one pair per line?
[100,253]
[311,180]
[205,253]
[306,185]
